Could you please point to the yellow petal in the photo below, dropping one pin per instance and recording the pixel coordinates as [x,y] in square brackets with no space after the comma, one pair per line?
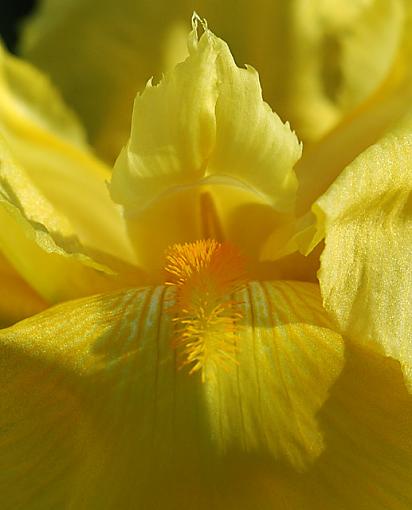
[288,359]
[367,424]
[17,299]
[116,52]
[204,153]
[367,464]
[96,414]
[40,243]
[365,274]
[323,162]
[317,60]
[48,142]
[206,119]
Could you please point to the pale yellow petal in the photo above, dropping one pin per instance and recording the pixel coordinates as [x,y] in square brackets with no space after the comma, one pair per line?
[365,274]
[40,243]
[205,156]
[206,119]
[385,105]
[322,163]
[17,299]
[47,141]
[96,414]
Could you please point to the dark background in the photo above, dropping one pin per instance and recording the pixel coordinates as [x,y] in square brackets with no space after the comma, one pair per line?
[11,12]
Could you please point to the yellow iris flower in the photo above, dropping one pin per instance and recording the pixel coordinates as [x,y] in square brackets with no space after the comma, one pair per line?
[242,337]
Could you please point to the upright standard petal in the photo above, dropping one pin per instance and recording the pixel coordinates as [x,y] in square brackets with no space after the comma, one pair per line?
[47,141]
[318,60]
[95,412]
[205,155]
[365,273]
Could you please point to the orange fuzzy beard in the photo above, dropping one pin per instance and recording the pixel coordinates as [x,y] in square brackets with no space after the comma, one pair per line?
[205,273]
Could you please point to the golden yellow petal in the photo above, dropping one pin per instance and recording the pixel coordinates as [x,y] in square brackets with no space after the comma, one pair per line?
[96,414]
[288,357]
[47,141]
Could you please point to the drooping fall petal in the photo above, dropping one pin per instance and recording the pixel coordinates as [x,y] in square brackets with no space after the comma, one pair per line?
[96,414]
[47,141]
[367,464]
[40,243]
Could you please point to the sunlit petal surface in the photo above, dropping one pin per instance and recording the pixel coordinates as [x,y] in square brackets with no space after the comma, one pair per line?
[365,274]
[40,243]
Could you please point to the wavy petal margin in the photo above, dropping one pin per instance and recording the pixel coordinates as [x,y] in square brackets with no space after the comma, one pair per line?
[206,154]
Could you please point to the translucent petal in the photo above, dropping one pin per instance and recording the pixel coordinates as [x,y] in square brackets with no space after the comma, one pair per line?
[204,149]
[47,141]
[365,274]
[96,414]
[288,359]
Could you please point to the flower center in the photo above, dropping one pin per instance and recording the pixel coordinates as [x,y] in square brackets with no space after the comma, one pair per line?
[206,274]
